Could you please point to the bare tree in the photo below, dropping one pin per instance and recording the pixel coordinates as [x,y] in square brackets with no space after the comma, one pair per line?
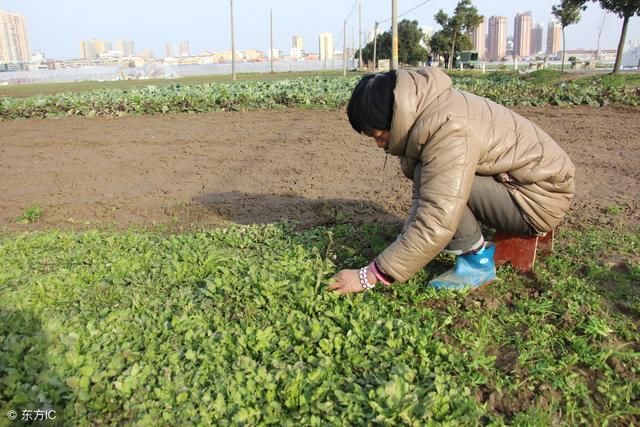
[567,13]
[600,29]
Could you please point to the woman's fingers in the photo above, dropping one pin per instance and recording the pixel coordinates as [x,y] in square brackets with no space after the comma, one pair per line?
[345,282]
[334,286]
[335,282]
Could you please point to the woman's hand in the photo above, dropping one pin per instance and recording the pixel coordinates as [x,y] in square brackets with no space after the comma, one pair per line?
[346,282]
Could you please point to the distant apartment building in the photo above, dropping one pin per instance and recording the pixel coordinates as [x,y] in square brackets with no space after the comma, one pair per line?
[426,30]
[497,37]
[326,46]
[478,39]
[427,33]
[296,42]
[146,54]
[15,46]
[177,50]
[227,56]
[127,47]
[91,49]
[522,26]
[252,55]
[275,52]
[536,39]
[554,38]
[296,53]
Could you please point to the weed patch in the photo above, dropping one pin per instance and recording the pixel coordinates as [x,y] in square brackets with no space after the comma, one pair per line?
[30,215]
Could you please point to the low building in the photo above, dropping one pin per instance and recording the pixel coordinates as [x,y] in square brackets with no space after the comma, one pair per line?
[631,54]
[226,56]
[114,60]
[275,52]
[296,53]
[252,55]
[587,55]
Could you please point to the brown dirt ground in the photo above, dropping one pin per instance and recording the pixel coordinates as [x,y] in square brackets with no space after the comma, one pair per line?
[308,166]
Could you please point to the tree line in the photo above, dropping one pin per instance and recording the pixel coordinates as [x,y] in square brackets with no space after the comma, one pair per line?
[455,34]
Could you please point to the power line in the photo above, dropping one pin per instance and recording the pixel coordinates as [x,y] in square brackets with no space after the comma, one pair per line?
[352,9]
[339,39]
[407,12]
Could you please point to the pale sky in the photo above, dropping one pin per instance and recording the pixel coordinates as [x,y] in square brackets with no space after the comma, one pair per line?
[56,27]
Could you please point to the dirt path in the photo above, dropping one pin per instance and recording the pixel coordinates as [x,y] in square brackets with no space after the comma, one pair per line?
[263,166]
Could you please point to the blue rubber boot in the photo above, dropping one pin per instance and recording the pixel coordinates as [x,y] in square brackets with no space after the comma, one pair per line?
[472,270]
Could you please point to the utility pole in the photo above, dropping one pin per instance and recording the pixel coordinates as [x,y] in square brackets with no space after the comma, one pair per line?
[271,36]
[353,44]
[375,42]
[360,35]
[344,49]
[394,34]
[233,46]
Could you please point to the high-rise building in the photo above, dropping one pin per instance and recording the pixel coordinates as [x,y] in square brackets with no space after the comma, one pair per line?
[184,49]
[536,39]
[91,49]
[177,50]
[127,47]
[497,48]
[522,26]
[15,46]
[554,35]
[296,42]
[326,46]
[478,40]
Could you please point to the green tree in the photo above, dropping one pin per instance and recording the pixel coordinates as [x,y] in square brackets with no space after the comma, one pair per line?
[409,49]
[439,45]
[625,9]
[567,13]
[383,48]
[410,35]
[464,19]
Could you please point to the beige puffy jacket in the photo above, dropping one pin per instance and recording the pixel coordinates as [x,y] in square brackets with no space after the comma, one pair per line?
[444,137]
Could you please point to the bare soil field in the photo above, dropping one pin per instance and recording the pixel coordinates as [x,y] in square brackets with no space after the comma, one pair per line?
[307,166]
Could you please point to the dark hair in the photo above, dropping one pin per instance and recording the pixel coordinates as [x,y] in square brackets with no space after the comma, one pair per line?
[371,103]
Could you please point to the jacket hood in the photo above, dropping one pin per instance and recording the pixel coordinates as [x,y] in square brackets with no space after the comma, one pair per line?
[413,92]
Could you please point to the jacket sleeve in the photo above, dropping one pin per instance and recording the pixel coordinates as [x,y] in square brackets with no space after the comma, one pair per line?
[415,197]
[449,159]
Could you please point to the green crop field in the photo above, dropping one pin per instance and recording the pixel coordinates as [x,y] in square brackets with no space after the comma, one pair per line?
[235,326]
[37,89]
[536,89]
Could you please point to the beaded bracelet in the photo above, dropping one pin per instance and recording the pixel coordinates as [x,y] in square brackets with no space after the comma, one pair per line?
[364,282]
